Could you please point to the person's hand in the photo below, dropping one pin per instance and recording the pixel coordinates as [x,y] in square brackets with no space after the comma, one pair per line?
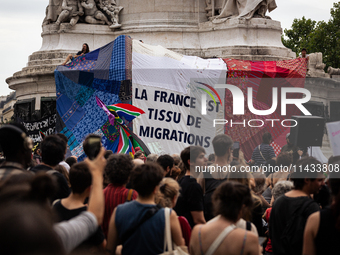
[97,165]
[260,249]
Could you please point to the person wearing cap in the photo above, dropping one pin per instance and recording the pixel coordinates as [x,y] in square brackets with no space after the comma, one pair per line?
[17,149]
[292,149]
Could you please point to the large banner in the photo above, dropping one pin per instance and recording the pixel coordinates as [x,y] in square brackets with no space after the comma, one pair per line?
[333,129]
[169,88]
[104,73]
[45,125]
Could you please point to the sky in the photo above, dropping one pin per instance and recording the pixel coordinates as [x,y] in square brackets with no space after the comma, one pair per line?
[20,28]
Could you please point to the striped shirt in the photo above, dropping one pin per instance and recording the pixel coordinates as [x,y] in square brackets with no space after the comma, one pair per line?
[75,231]
[114,196]
[267,153]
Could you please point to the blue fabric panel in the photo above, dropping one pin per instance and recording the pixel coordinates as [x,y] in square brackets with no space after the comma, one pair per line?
[70,111]
[84,94]
[66,86]
[95,116]
[108,86]
[72,142]
[93,55]
[86,78]
[73,75]
[117,65]
[101,70]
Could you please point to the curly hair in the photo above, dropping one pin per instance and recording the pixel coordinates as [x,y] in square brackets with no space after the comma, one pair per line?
[118,169]
[281,188]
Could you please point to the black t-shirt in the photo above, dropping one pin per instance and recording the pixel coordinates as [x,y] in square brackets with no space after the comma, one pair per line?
[65,214]
[211,185]
[63,188]
[79,53]
[282,212]
[327,238]
[190,200]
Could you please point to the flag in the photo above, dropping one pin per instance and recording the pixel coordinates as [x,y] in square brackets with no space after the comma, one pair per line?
[103,73]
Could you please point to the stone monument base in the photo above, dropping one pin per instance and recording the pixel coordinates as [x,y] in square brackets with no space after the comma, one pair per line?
[254,39]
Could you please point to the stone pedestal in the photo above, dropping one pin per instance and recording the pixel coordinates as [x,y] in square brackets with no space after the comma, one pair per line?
[178,25]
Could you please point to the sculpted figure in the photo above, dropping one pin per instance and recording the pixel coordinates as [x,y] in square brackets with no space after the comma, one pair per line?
[71,10]
[92,14]
[246,9]
[110,7]
[53,10]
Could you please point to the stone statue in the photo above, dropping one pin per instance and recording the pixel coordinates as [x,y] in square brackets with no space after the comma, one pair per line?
[92,14]
[315,65]
[244,9]
[333,71]
[112,10]
[53,10]
[71,10]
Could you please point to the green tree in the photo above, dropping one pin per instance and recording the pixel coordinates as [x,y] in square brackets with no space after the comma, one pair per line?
[317,37]
[298,35]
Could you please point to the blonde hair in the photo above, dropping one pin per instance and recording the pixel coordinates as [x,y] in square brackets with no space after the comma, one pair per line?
[168,190]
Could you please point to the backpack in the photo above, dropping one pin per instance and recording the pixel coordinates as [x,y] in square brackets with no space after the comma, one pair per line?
[292,235]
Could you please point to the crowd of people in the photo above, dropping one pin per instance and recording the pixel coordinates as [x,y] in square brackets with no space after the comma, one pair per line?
[119,204]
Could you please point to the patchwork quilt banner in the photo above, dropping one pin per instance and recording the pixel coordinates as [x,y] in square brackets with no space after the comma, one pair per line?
[262,77]
[105,73]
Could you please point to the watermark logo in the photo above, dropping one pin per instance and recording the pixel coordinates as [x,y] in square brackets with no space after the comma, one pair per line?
[238,99]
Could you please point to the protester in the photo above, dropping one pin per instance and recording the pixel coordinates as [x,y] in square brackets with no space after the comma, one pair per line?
[137,162]
[322,232]
[85,49]
[108,153]
[65,140]
[177,159]
[73,205]
[279,190]
[140,155]
[290,211]
[253,214]
[292,149]
[175,173]
[71,160]
[167,197]
[190,203]
[222,145]
[25,202]
[259,188]
[228,200]
[139,224]
[211,159]
[167,163]
[118,169]
[52,152]
[61,169]
[304,53]
[17,148]
[152,158]
[263,152]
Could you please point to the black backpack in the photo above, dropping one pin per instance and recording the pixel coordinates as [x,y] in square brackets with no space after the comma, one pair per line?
[292,235]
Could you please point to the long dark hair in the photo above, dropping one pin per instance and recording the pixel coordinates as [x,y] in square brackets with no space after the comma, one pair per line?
[87,48]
